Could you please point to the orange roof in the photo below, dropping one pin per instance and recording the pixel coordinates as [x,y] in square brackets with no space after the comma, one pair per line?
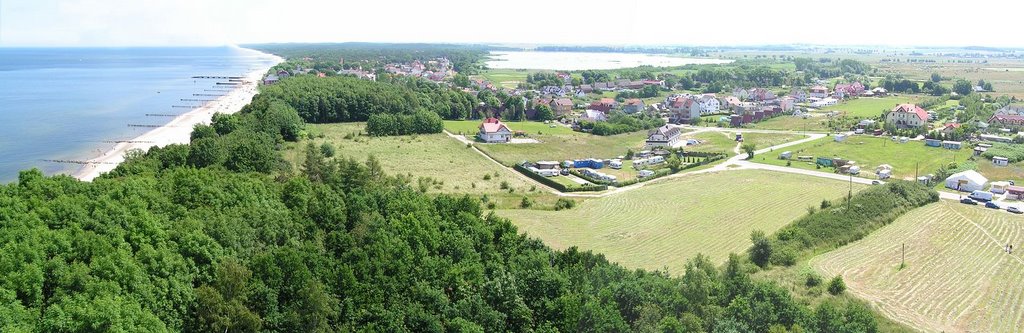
[912,108]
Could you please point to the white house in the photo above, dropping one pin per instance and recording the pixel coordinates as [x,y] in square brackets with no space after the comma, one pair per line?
[966,181]
[493,130]
[1000,161]
[665,136]
[741,93]
[684,110]
[594,116]
[709,104]
[907,116]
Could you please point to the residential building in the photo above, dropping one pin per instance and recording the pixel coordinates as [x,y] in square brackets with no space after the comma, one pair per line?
[845,90]
[633,105]
[684,110]
[827,101]
[1010,110]
[732,102]
[493,130]
[760,95]
[604,105]
[561,106]
[709,104]
[1000,161]
[907,116]
[818,92]
[665,136]
[740,93]
[1007,120]
[271,79]
[799,95]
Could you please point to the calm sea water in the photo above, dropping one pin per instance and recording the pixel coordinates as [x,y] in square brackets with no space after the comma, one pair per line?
[587,60]
[69,103]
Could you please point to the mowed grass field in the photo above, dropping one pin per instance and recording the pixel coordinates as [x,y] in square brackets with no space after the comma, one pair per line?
[456,168]
[556,144]
[791,123]
[870,152]
[957,277]
[725,142]
[508,78]
[661,225]
[871,107]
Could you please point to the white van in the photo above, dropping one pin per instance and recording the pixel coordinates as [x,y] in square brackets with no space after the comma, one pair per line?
[981,195]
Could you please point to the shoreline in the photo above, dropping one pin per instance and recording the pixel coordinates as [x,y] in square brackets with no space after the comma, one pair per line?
[179,129]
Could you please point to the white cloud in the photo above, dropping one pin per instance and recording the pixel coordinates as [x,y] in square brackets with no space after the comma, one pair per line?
[726,22]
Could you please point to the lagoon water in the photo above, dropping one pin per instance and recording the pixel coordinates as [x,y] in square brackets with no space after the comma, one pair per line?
[70,103]
[586,60]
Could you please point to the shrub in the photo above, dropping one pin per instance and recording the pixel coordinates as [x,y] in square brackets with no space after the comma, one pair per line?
[564,203]
[825,204]
[327,149]
[836,286]
[525,203]
[504,185]
[761,252]
[812,279]
[487,176]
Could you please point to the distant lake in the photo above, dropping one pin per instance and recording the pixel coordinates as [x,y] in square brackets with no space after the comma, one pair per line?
[586,60]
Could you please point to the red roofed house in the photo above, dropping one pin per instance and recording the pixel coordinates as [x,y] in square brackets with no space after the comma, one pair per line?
[684,110]
[1007,120]
[604,105]
[907,116]
[493,130]
[818,92]
[846,90]
[561,106]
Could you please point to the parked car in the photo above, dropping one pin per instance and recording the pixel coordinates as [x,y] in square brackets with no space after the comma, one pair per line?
[875,182]
[564,172]
[992,205]
[1014,210]
[968,201]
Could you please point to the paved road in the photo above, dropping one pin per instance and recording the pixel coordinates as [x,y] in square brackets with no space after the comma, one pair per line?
[737,162]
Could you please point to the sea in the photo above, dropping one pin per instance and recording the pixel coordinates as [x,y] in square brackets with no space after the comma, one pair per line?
[587,60]
[71,104]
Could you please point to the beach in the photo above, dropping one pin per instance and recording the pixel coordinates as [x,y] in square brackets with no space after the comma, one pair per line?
[177,130]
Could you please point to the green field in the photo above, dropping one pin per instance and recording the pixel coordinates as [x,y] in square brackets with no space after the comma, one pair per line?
[456,168]
[556,144]
[663,224]
[870,151]
[792,123]
[870,107]
[957,277]
[508,78]
[725,142]
[1014,171]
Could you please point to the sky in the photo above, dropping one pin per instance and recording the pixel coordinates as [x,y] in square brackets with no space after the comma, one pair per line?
[527,22]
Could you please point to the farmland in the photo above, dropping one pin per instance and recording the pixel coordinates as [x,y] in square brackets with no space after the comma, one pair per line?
[793,123]
[453,167]
[868,107]
[869,152]
[956,278]
[725,142]
[557,144]
[663,224]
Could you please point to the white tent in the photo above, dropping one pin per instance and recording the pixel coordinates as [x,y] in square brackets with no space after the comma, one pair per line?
[967,181]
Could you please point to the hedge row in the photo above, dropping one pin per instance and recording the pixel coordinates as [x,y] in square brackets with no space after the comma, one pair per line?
[557,185]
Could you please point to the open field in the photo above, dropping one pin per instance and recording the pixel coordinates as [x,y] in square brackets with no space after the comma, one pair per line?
[508,78]
[765,140]
[457,169]
[957,277]
[817,123]
[1014,171]
[556,144]
[662,225]
[870,107]
[870,151]
[712,142]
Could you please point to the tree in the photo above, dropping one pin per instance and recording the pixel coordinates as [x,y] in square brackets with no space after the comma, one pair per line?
[936,77]
[761,251]
[674,163]
[962,87]
[205,152]
[836,286]
[749,148]
[544,113]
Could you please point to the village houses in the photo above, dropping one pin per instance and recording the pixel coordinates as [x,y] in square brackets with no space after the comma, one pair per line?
[907,116]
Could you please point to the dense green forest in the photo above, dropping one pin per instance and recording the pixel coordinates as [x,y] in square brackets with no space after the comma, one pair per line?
[465,59]
[222,235]
[344,99]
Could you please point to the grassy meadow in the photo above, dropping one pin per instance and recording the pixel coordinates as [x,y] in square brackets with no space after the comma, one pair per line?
[453,167]
[661,225]
[957,278]
[870,107]
[870,151]
[557,144]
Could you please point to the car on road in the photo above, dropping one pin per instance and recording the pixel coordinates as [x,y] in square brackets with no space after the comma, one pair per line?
[1013,209]
[992,205]
[875,182]
[968,201]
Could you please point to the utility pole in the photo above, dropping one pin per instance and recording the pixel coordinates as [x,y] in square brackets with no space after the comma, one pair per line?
[849,195]
[903,257]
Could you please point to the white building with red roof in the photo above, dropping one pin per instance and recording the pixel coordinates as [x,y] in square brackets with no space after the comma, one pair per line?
[907,116]
[493,130]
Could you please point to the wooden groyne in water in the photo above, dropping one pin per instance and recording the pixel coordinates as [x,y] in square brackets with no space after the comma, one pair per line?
[77,162]
[196,100]
[161,115]
[126,141]
[148,125]
[218,77]
[185,106]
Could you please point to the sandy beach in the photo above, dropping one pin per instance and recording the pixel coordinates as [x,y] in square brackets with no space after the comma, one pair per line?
[177,130]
